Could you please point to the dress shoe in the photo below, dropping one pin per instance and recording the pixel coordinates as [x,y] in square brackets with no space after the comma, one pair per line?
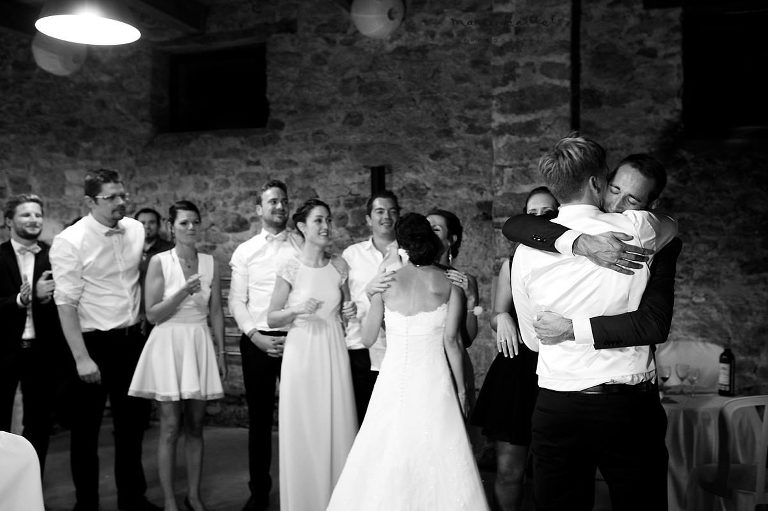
[141,504]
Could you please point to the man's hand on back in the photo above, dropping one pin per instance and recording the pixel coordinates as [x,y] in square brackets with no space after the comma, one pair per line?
[609,251]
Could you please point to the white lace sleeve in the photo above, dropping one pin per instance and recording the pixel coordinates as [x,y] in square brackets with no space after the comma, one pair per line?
[288,271]
[341,266]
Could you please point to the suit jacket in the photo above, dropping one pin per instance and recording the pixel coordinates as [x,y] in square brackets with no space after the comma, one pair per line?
[44,315]
[650,323]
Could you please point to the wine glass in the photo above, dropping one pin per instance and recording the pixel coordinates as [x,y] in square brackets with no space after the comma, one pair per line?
[681,370]
[693,377]
[664,374]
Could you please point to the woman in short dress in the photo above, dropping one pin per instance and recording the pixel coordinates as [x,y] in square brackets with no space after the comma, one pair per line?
[178,367]
[317,415]
[508,395]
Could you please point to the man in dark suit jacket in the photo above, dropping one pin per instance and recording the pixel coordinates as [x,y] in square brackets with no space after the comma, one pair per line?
[635,183]
[31,341]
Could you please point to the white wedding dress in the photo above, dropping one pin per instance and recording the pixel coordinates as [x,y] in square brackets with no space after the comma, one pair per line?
[412,452]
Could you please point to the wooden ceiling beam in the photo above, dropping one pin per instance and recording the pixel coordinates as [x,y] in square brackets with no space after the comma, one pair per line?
[186,15]
[18,17]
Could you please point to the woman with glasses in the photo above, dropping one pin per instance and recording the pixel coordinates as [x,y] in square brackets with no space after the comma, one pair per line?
[505,404]
[179,367]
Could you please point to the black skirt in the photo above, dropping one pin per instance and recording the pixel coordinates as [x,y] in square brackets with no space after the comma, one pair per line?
[507,397]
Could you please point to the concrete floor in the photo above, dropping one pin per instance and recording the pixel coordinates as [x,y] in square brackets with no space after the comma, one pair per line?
[225,471]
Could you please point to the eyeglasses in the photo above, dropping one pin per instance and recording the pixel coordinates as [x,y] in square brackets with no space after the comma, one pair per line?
[125,197]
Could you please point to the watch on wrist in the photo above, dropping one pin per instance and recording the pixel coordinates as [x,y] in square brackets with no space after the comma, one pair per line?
[477,310]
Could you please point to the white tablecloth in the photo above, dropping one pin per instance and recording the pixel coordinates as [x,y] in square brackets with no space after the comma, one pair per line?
[692,440]
[20,486]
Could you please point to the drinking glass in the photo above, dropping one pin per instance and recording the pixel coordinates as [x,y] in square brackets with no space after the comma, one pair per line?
[664,374]
[693,377]
[681,370]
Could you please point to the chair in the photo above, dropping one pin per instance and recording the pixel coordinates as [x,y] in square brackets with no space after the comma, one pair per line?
[701,354]
[738,481]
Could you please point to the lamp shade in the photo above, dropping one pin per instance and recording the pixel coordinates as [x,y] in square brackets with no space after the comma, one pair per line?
[56,56]
[98,22]
[377,18]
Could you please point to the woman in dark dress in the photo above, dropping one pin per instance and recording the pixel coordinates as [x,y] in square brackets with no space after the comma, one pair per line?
[507,397]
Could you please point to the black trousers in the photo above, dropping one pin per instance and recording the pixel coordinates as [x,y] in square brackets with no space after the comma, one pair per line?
[363,380]
[116,352]
[32,367]
[260,375]
[622,434]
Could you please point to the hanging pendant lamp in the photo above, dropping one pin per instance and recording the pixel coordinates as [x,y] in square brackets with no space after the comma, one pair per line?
[97,22]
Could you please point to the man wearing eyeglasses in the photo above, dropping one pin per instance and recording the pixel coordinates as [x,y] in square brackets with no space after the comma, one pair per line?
[95,266]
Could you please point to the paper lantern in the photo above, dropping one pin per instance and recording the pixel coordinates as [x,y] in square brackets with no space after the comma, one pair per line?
[56,56]
[377,18]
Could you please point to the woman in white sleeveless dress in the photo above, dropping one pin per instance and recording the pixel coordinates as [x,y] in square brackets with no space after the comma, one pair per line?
[317,415]
[412,452]
[178,367]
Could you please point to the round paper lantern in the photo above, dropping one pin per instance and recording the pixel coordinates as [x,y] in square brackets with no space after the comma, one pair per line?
[377,18]
[58,57]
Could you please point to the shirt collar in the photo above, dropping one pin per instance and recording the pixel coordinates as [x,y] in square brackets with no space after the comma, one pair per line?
[101,228]
[577,211]
[268,236]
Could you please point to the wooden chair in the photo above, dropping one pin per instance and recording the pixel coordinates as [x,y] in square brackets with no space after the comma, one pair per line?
[736,481]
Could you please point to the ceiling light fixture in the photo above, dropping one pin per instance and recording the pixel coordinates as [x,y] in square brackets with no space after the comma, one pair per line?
[97,22]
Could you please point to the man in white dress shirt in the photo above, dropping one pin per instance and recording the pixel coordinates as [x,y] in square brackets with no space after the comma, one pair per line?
[364,260]
[254,269]
[596,408]
[95,266]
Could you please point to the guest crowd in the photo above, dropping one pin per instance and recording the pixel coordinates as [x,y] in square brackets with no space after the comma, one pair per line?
[368,347]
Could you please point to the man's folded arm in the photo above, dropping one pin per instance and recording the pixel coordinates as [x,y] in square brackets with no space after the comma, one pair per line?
[650,323]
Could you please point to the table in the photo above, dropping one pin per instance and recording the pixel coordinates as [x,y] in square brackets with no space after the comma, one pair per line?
[692,440]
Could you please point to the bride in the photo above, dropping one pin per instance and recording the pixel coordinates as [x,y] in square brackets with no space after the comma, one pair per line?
[412,451]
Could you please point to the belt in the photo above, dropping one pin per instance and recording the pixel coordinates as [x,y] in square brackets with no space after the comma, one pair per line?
[126,330]
[621,388]
[273,333]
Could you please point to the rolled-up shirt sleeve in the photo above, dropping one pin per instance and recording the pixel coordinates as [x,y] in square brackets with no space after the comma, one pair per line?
[67,272]
[238,293]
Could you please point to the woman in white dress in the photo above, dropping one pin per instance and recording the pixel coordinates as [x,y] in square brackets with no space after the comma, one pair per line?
[317,416]
[412,452]
[178,367]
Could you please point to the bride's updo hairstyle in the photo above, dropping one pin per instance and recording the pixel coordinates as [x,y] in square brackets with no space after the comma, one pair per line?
[415,236]
[303,212]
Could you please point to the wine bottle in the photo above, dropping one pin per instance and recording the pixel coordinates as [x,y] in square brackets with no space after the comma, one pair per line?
[726,383]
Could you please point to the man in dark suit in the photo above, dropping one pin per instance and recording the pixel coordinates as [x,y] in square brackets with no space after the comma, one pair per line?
[31,341]
[634,184]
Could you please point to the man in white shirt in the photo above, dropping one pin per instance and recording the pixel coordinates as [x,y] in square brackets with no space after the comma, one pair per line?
[596,408]
[254,269]
[364,260]
[31,343]
[95,266]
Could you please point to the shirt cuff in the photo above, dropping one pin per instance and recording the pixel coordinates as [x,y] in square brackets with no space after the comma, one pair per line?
[18,301]
[564,244]
[582,331]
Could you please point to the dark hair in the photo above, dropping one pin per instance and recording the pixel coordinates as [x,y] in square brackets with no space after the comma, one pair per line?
[17,200]
[383,194]
[95,179]
[304,210]
[151,211]
[569,165]
[536,191]
[649,167]
[272,183]
[182,205]
[453,224]
[414,234]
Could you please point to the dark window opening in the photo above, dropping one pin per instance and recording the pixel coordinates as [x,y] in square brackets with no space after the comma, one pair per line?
[725,48]
[218,89]
[378,179]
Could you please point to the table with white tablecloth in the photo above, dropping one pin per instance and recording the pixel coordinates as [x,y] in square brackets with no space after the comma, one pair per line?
[692,440]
